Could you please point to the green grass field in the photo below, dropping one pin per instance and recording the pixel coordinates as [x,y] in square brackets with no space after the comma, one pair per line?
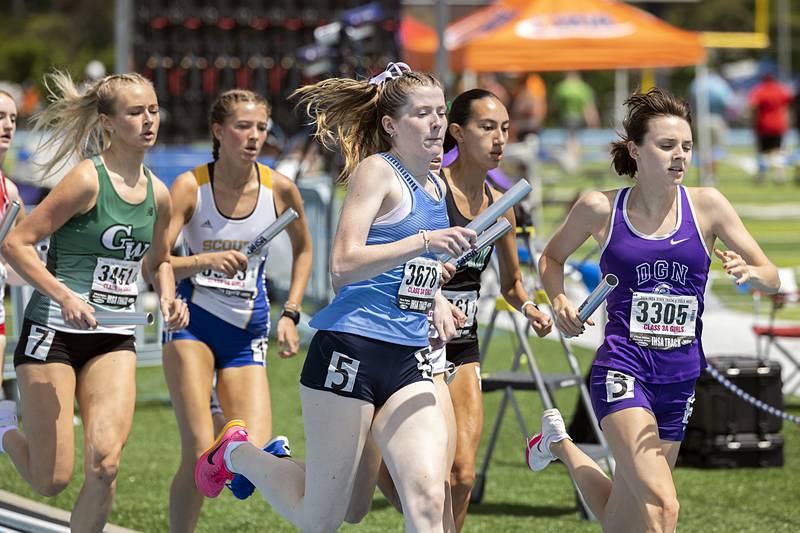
[515,500]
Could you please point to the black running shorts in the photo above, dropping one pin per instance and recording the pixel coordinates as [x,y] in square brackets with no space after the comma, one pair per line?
[39,344]
[460,353]
[363,368]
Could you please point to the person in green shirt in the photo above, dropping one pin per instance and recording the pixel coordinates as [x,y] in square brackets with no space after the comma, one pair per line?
[102,218]
[573,99]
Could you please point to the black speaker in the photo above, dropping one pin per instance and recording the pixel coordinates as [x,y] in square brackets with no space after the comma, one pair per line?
[740,450]
[725,431]
[718,411]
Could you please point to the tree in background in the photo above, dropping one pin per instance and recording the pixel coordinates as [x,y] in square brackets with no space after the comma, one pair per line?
[41,34]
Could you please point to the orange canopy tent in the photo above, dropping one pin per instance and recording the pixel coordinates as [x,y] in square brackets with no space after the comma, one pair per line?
[557,35]
[418,35]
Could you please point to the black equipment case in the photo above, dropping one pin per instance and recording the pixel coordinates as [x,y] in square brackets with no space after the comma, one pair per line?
[725,430]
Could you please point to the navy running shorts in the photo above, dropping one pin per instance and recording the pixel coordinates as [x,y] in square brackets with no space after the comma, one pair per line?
[363,368]
[230,345]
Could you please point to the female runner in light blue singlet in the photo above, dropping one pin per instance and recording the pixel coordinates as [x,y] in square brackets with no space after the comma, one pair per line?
[367,368]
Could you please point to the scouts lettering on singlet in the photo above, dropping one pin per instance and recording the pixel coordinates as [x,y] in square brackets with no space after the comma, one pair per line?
[223,245]
[114,281]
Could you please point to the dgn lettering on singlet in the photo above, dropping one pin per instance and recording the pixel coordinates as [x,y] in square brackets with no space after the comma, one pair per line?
[661,270]
[119,237]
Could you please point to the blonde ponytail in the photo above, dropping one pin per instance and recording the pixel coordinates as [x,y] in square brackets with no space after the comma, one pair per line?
[73,116]
[349,112]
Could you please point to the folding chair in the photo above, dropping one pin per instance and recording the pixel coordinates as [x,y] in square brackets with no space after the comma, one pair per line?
[771,335]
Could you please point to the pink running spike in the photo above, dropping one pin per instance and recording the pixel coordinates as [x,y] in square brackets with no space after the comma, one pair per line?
[210,472]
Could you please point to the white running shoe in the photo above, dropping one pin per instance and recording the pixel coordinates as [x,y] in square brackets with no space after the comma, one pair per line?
[8,419]
[537,452]
[8,413]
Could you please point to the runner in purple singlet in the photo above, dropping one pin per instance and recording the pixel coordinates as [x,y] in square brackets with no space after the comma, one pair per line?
[656,237]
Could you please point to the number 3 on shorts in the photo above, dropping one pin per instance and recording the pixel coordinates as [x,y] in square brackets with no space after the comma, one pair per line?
[341,373]
[39,341]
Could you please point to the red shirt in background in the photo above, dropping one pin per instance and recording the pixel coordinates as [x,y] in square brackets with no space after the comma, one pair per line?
[770,100]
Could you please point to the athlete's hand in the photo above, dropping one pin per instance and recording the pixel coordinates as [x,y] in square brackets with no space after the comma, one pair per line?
[567,320]
[448,271]
[229,262]
[77,313]
[452,241]
[540,322]
[175,313]
[734,265]
[288,338]
[447,318]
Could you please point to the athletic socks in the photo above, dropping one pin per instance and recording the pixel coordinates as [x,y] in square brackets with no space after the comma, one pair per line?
[227,455]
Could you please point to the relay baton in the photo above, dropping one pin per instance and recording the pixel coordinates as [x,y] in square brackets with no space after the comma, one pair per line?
[286,218]
[487,238]
[593,301]
[123,318]
[510,198]
[8,220]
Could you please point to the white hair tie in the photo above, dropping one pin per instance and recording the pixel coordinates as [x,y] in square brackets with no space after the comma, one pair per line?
[393,70]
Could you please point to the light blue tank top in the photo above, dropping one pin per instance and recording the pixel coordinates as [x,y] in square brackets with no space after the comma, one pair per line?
[369,308]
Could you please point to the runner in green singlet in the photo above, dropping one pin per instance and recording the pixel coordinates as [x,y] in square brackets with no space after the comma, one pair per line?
[104,215]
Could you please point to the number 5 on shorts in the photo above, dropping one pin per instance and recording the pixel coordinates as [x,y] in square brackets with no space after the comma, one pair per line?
[39,341]
[341,373]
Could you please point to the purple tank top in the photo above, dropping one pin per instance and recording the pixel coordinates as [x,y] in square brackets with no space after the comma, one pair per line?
[654,315]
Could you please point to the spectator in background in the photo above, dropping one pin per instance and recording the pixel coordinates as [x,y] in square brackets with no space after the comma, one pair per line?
[31,99]
[797,127]
[528,107]
[720,98]
[770,101]
[573,99]
[488,82]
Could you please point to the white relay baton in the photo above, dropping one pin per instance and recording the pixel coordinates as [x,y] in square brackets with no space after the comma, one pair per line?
[593,301]
[272,231]
[485,239]
[8,220]
[123,318]
[510,198]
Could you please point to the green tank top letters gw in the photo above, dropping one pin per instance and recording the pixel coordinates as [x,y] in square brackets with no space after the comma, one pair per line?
[98,254]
